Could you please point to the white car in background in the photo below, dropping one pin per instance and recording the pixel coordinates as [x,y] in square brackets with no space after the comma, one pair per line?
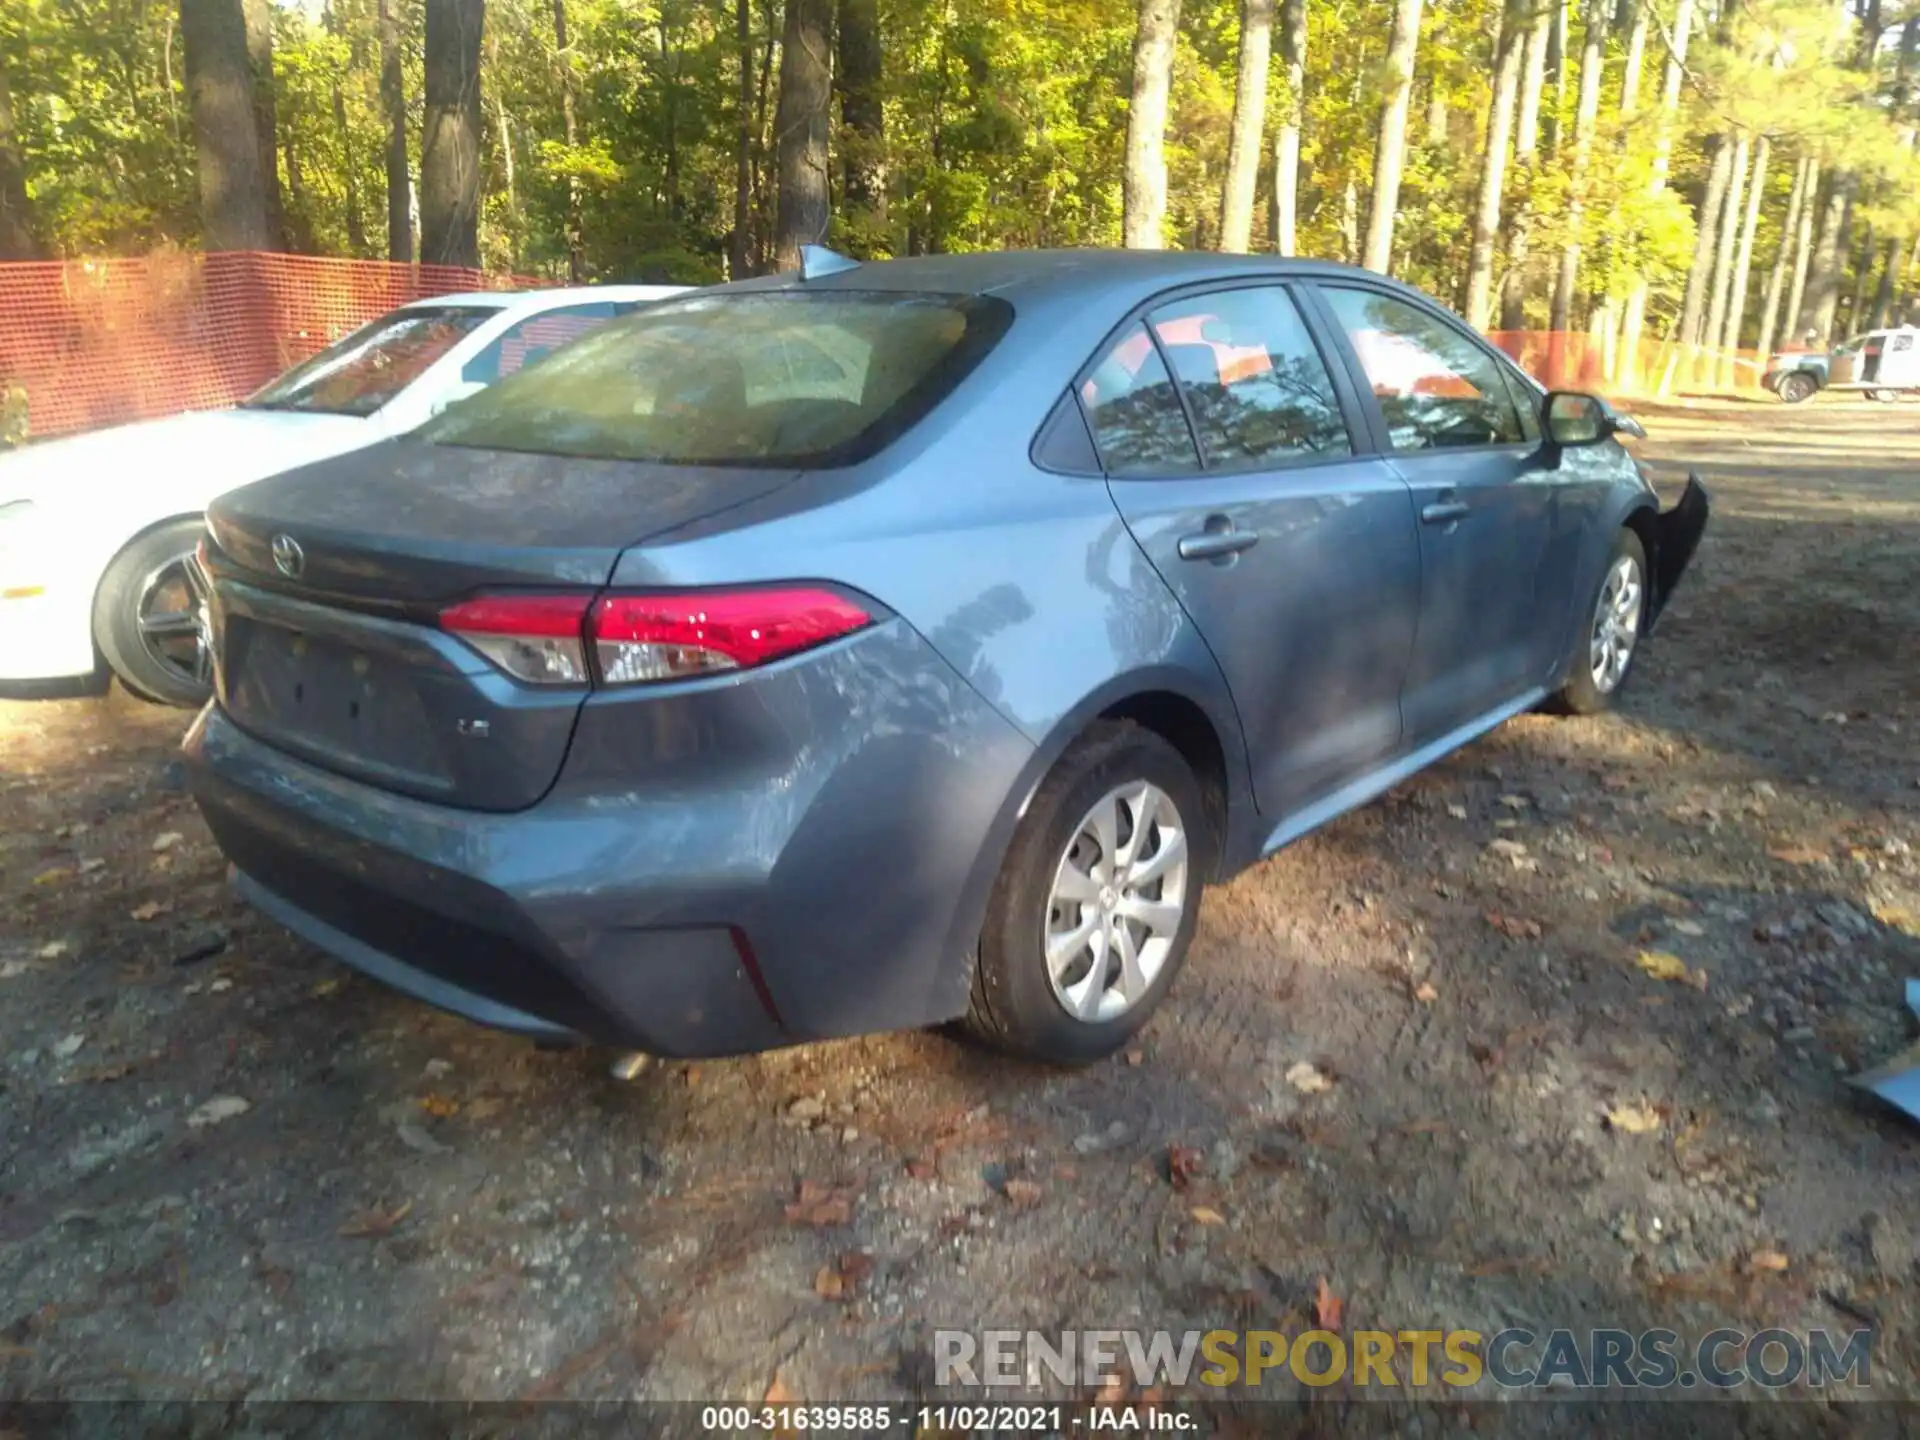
[97,530]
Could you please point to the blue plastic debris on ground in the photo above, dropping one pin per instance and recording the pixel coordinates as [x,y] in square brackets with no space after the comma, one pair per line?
[1898,1080]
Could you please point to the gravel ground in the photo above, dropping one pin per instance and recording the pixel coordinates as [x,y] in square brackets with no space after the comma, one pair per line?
[1406,1059]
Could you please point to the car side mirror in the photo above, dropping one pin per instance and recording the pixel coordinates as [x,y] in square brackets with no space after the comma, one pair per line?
[1574,418]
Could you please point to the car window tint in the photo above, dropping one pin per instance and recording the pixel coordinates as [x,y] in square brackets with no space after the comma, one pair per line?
[533,339]
[1256,385]
[1900,342]
[1135,413]
[359,374]
[1526,400]
[1437,388]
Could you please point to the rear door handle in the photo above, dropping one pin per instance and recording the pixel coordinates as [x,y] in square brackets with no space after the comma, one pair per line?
[1217,544]
[1446,512]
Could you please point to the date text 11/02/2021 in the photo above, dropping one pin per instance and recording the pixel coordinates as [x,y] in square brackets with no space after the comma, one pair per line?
[962,1419]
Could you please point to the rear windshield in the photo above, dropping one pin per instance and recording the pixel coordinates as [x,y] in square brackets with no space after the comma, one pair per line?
[359,374]
[755,378]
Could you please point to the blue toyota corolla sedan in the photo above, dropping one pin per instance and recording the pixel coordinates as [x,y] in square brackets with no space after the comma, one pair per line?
[894,643]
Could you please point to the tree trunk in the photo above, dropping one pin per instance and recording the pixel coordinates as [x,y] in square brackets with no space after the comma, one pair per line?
[1706,239]
[763,203]
[1823,282]
[1632,16]
[670,73]
[863,145]
[1249,124]
[1727,239]
[233,196]
[1557,73]
[504,124]
[16,209]
[740,250]
[1390,145]
[1770,306]
[1633,321]
[1286,152]
[1743,266]
[1144,197]
[1526,149]
[450,136]
[1889,282]
[259,18]
[576,225]
[299,222]
[1586,116]
[801,128]
[1493,165]
[393,104]
[1802,258]
[1862,273]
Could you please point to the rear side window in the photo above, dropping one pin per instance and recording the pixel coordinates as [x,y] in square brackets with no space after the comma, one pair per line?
[1437,388]
[535,338]
[1134,411]
[1256,385]
[758,378]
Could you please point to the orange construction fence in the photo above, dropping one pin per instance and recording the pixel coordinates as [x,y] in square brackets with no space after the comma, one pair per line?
[100,342]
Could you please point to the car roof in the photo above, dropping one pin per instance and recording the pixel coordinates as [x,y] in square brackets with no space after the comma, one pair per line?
[547,298]
[1081,275]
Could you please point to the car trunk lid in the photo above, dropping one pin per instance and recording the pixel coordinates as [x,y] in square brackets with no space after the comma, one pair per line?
[327,584]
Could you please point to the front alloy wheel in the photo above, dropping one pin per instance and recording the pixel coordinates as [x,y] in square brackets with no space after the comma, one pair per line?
[1616,624]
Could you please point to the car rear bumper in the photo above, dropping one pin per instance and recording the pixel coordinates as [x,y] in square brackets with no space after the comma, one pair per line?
[46,635]
[721,868]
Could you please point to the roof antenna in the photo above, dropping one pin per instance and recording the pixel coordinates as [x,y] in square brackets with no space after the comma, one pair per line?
[817,261]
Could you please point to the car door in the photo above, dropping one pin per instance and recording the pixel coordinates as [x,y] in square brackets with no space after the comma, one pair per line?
[1292,548]
[1442,405]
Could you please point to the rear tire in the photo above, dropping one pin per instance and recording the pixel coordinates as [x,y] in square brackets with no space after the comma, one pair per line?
[1885,397]
[1795,388]
[1616,619]
[146,618]
[1114,839]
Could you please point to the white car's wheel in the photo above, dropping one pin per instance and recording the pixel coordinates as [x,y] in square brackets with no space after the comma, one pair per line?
[150,620]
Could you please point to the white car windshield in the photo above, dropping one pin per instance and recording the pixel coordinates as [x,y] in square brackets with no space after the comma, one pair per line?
[363,371]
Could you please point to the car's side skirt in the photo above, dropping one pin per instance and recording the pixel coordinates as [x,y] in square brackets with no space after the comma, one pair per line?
[1358,792]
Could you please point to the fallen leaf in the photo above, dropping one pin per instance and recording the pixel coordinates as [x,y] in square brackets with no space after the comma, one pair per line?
[1327,1306]
[819,1206]
[220,1107]
[827,1283]
[1692,928]
[1458,812]
[1024,1194]
[1516,927]
[375,1223]
[1637,1119]
[91,864]
[485,1108]
[1767,1260]
[414,1137]
[167,841]
[1426,994]
[920,1169]
[324,989]
[1898,917]
[52,950]
[1207,1215]
[1135,1057]
[151,909]
[1798,854]
[51,877]
[1184,1163]
[439,1106]
[778,1393]
[1308,1078]
[1664,966]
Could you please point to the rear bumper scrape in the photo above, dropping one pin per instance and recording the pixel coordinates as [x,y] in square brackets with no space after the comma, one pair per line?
[1677,535]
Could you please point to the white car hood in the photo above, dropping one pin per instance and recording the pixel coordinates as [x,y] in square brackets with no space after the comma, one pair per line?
[157,468]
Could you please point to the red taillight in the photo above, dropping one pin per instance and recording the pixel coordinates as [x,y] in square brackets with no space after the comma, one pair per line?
[638,638]
[540,639]
[543,639]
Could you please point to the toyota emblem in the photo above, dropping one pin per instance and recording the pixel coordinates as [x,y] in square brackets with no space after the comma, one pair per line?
[288,558]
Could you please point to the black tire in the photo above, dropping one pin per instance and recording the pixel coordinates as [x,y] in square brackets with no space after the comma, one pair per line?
[1582,694]
[1796,387]
[117,623]
[1014,1007]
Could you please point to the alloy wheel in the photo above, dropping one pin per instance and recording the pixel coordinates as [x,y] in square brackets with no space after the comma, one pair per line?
[172,618]
[1616,624]
[1118,899]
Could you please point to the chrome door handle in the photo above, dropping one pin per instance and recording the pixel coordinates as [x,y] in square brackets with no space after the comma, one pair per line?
[1217,544]
[1446,512]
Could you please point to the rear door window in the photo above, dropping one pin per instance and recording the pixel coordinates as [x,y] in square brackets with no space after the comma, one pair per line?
[1436,386]
[1254,381]
[1134,410]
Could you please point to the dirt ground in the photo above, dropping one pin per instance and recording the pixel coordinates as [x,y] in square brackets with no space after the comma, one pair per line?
[231,1169]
